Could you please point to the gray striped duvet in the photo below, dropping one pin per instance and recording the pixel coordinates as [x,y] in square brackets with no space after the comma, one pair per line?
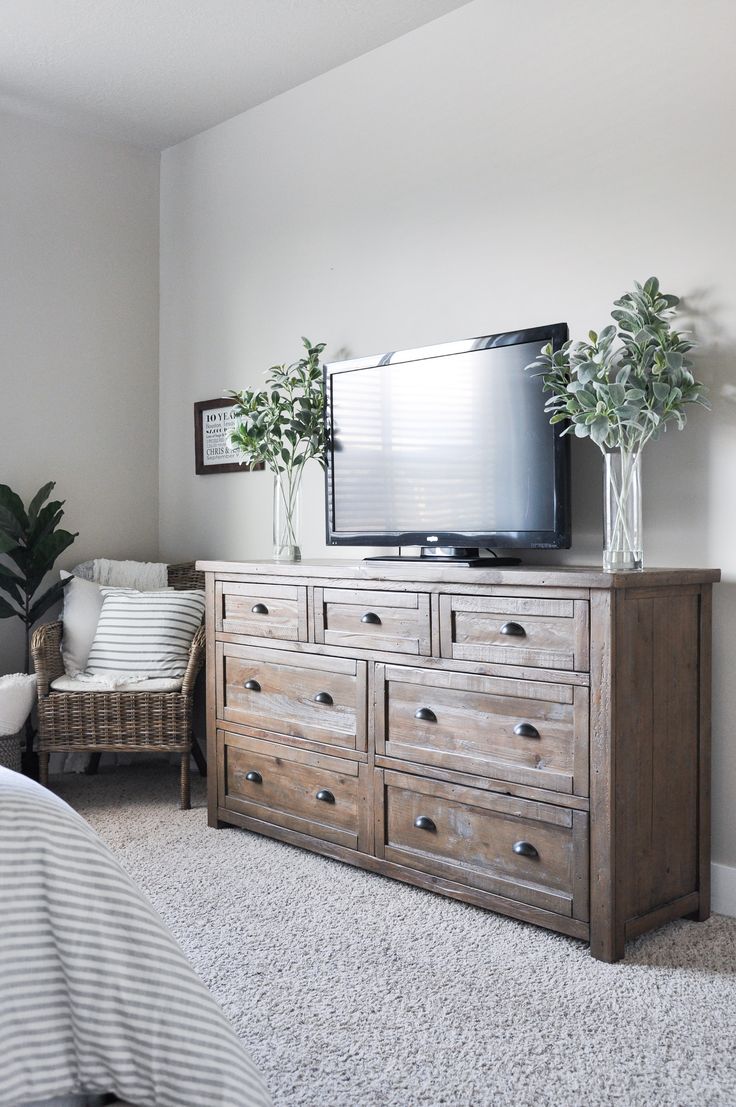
[95,994]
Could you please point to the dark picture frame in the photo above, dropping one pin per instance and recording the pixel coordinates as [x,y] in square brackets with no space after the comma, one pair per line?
[211,439]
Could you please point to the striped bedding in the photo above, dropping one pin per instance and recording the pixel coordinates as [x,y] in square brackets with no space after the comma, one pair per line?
[95,994]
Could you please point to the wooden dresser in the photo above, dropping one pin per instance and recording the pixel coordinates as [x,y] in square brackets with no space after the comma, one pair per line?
[531,740]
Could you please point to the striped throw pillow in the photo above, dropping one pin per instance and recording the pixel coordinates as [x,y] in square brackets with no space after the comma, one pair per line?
[146,633]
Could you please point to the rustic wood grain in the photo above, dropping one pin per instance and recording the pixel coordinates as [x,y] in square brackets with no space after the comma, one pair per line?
[554,632]
[290,781]
[483,783]
[287,700]
[474,837]
[704,757]
[211,698]
[285,615]
[404,625]
[520,672]
[474,725]
[678,908]
[379,814]
[366,809]
[613,671]
[606,922]
[547,576]
[657,709]
[309,744]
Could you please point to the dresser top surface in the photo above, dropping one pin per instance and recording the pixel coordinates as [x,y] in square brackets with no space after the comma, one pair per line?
[556,576]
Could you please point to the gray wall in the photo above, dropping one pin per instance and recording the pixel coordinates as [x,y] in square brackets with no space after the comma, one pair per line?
[79,325]
[506,165]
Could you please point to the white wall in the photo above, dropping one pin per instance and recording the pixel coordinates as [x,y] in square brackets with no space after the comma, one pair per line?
[79,325]
[507,165]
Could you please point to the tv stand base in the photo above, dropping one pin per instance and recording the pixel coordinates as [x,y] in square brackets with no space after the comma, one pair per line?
[464,556]
[463,562]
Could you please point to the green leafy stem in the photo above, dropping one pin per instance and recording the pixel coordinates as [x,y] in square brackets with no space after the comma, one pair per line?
[283,424]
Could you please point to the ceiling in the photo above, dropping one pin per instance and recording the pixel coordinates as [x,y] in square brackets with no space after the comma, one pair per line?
[154,72]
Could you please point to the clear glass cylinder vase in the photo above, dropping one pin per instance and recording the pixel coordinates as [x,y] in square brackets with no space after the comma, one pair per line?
[622,544]
[287,489]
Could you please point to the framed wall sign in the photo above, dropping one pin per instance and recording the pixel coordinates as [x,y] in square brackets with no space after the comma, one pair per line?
[213,424]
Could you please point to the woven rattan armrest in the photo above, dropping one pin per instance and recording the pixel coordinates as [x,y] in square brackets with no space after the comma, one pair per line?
[46,654]
[194,664]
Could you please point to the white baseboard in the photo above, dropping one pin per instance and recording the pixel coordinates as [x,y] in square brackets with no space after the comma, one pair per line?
[723,889]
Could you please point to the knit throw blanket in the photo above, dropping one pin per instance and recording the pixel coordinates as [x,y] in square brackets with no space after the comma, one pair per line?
[145,576]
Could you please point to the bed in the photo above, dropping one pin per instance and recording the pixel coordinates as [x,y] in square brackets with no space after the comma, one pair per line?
[96,997]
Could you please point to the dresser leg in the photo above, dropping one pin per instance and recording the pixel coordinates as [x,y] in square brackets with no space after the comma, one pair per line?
[607,943]
[703,911]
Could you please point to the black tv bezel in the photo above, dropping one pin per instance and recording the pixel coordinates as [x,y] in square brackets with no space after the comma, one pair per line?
[558,538]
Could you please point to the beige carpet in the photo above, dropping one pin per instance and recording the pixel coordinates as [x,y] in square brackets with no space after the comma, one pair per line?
[355,991]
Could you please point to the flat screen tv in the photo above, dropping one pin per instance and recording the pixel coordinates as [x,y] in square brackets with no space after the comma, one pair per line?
[447,448]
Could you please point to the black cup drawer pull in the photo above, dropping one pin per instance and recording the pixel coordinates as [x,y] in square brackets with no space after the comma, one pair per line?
[426,714]
[254,777]
[423,822]
[259,609]
[513,630]
[324,796]
[371,617]
[526,730]
[324,697]
[525,849]
[252,686]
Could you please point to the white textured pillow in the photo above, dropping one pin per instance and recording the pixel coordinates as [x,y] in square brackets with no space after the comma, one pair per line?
[82,606]
[147,633]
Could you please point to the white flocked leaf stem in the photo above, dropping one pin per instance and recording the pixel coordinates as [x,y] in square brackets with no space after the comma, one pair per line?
[624,386]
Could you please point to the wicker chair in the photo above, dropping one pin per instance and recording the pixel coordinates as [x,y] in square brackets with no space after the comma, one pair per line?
[159,722]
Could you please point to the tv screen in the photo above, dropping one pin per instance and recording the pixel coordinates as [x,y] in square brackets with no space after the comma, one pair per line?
[446,445]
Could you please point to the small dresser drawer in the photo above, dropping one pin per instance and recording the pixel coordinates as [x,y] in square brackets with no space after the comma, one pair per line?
[262,610]
[535,853]
[297,696]
[523,731]
[395,622]
[313,794]
[515,630]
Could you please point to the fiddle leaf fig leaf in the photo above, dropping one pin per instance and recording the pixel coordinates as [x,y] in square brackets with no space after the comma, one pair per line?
[49,548]
[51,596]
[7,611]
[7,542]
[13,519]
[31,540]
[35,504]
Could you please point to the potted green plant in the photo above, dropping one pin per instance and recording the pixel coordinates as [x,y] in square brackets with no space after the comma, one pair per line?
[31,539]
[622,388]
[283,427]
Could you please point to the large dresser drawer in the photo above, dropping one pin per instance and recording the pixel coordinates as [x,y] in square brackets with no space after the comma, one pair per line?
[394,622]
[525,731]
[516,630]
[262,610]
[297,696]
[535,853]
[322,796]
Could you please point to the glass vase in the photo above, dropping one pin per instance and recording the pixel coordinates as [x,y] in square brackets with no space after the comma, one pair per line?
[287,488]
[622,547]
